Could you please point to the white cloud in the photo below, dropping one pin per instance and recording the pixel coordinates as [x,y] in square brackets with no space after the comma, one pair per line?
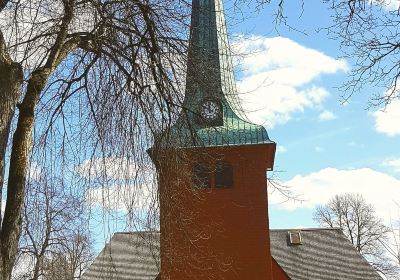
[23,267]
[378,188]
[122,186]
[111,168]
[35,171]
[393,163]
[387,121]
[390,5]
[281,149]
[31,20]
[278,76]
[393,4]
[126,198]
[326,116]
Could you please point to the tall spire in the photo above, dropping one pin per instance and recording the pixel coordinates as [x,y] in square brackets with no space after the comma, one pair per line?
[212,115]
[209,68]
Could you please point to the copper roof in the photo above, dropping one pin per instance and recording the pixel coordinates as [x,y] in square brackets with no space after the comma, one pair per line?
[210,75]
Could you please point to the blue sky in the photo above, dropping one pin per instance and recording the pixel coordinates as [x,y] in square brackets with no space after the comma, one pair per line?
[289,80]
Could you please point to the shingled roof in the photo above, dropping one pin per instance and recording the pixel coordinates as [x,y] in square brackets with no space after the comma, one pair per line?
[133,256]
[324,254]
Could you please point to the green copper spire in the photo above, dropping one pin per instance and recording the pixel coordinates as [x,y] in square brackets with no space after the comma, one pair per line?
[209,69]
[212,115]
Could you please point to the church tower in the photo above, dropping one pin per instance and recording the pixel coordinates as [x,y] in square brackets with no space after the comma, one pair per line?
[212,166]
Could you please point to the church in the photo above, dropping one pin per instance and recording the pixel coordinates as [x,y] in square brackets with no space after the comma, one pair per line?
[212,165]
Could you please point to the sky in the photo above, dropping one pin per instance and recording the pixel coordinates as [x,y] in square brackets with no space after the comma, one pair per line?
[290,82]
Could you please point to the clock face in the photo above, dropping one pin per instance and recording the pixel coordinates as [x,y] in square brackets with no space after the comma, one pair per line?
[210,110]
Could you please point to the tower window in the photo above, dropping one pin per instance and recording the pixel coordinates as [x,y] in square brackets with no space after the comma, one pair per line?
[223,174]
[201,175]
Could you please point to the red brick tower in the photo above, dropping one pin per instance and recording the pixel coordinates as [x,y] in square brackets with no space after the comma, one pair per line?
[212,166]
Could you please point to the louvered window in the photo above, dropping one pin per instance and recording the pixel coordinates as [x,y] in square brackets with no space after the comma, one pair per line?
[223,174]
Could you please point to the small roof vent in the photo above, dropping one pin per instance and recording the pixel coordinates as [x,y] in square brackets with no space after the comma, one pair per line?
[294,237]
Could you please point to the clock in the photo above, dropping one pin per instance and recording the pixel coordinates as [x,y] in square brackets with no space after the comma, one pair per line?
[210,110]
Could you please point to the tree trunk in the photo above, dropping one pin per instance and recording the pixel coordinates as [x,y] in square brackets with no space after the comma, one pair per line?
[10,85]
[22,138]
[21,147]
[10,89]
[38,267]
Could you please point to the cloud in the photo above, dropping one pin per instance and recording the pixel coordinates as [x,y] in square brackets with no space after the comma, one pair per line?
[125,198]
[387,120]
[23,267]
[118,184]
[393,163]
[32,20]
[281,149]
[379,189]
[326,116]
[278,76]
[110,168]
[35,171]
[390,5]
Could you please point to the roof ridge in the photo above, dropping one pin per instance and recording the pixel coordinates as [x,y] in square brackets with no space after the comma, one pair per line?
[305,229]
[136,232]
[271,229]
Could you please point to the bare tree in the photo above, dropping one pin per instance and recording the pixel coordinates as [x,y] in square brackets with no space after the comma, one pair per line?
[69,260]
[54,226]
[64,261]
[358,221]
[369,35]
[392,246]
[100,53]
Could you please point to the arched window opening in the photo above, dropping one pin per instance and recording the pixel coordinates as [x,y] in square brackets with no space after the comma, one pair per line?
[223,174]
[201,175]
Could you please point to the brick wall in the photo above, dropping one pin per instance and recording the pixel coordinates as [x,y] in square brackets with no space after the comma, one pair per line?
[215,233]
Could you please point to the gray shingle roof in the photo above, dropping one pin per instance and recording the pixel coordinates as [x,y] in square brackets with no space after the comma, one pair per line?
[128,256]
[325,254]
